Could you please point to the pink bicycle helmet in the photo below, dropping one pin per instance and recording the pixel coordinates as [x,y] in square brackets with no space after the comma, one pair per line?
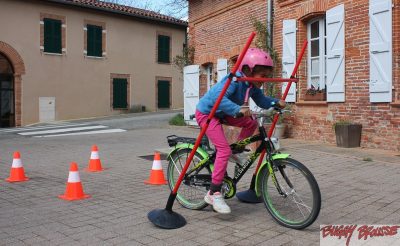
[255,56]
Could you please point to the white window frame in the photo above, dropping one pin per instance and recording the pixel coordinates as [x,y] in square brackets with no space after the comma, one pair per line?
[322,51]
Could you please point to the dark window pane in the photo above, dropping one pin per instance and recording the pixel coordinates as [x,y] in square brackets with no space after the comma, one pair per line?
[315,66]
[6,84]
[315,29]
[314,48]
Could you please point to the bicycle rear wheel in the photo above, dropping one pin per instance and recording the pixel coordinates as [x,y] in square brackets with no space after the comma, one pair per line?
[300,205]
[190,194]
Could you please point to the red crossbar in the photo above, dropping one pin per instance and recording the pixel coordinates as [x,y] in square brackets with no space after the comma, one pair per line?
[243,79]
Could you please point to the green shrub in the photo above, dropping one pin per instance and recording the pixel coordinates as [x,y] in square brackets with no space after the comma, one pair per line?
[177,120]
[341,122]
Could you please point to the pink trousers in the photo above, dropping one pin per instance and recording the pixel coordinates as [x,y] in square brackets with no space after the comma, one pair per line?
[216,135]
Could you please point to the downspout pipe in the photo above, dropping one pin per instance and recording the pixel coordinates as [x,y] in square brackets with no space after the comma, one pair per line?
[269,23]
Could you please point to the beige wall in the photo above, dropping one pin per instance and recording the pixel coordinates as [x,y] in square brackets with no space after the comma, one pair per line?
[81,85]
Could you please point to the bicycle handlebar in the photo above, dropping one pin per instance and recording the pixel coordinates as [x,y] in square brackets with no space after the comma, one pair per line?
[264,113]
[270,112]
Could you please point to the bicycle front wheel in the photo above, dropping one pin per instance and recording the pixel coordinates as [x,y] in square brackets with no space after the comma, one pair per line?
[299,205]
[192,191]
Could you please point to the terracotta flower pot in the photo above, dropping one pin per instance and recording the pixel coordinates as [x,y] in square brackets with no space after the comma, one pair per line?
[316,97]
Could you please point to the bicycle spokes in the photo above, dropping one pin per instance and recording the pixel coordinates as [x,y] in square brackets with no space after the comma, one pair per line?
[271,170]
[290,194]
[195,182]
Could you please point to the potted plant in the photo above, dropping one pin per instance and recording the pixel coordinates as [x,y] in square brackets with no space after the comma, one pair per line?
[348,134]
[315,94]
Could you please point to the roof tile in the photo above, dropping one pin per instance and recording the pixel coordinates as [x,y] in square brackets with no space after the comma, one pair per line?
[124,9]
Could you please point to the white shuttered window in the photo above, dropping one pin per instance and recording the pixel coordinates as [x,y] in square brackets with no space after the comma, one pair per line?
[289,56]
[380,48]
[335,62]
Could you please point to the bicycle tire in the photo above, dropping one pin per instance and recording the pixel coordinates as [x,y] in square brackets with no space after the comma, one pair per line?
[272,198]
[188,196]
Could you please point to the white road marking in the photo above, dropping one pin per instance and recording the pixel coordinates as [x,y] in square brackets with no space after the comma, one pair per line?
[61,130]
[82,133]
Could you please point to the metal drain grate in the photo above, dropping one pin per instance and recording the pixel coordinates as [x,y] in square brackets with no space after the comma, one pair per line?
[151,157]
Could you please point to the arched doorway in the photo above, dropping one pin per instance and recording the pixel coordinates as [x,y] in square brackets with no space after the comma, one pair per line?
[7,101]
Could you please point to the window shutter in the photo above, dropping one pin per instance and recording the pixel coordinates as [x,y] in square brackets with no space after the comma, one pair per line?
[52,35]
[167,44]
[222,68]
[98,41]
[191,77]
[89,41]
[94,41]
[48,45]
[289,56]
[380,48]
[160,48]
[163,48]
[57,36]
[120,93]
[335,54]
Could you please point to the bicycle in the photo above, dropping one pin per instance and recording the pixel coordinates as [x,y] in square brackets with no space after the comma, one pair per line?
[274,180]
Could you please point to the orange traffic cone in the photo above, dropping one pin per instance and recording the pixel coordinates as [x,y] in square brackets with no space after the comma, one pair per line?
[17,173]
[94,163]
[156,174]
[74,190]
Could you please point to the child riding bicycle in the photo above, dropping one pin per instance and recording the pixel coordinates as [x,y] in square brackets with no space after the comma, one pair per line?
[258,64]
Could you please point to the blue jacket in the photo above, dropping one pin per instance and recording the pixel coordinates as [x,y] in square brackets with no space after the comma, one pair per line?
[233,99]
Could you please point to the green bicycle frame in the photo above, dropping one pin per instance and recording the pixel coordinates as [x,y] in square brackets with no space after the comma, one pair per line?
[243,169]
[199,150]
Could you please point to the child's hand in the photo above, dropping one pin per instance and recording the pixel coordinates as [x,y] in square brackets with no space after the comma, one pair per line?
[245,111]
[281,104]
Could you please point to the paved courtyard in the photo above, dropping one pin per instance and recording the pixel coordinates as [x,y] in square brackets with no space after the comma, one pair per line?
[353,189]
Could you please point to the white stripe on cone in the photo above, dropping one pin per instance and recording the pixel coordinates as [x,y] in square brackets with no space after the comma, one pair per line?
[16,163]
[157,165]
[94,155]
[73,177]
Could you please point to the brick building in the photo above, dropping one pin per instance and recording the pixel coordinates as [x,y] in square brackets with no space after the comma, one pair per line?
[68,59]
[353,53]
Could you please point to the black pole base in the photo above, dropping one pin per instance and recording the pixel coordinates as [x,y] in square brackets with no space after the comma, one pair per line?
[166,219]
[248,196]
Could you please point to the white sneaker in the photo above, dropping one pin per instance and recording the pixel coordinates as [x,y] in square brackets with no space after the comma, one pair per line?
[218,202]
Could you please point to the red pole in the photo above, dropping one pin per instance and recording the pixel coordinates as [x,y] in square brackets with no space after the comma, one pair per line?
[211,115]
[271,129]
